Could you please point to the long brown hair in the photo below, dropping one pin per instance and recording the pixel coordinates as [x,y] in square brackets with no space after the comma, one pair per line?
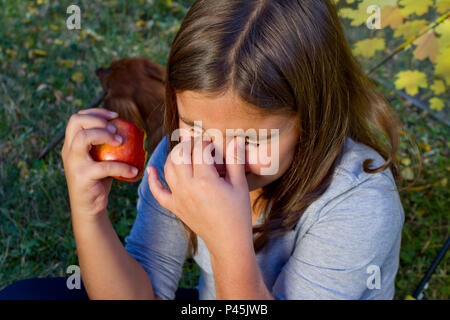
[289,56]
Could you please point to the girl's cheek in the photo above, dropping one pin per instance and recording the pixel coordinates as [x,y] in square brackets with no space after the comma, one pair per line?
[185,131]
[257,158]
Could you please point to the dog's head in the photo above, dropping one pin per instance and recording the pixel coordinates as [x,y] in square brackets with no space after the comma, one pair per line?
[135,90]
[122,73]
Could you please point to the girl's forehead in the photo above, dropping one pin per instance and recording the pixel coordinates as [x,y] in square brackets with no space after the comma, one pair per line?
[224,109]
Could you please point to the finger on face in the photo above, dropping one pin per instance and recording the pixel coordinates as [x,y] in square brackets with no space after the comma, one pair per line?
[235,161]
[235,151]
[86,138]
[178,165]
[203,161]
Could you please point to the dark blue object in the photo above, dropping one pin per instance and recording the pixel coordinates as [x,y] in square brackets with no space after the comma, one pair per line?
[56,289]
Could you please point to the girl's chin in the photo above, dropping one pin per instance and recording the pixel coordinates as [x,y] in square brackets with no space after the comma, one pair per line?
[254,181]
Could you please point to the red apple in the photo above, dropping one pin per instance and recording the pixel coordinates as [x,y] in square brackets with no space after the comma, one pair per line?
[131,151]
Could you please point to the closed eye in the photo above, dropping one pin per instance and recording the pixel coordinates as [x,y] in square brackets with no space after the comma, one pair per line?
[247,141]
[253,143]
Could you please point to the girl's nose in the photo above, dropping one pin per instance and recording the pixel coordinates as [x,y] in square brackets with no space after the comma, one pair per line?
[221,167]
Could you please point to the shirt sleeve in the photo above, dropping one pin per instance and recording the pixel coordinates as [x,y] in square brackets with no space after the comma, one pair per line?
[157,240]
[358,230]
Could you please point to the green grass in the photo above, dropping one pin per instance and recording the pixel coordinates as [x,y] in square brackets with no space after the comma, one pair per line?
[37,97]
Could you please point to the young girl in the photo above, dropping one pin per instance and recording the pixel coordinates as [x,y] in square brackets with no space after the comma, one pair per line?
[326,225]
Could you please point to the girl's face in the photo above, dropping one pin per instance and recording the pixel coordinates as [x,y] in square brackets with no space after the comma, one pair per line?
[229,112]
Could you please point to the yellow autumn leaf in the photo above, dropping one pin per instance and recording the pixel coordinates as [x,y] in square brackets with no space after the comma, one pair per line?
[425,146]
[367,47]
[24,170]
[78,77]
[419,7]
[140,24]
[438,87]
[410,28]
[442,67]
[11,52]
[420,212]
[391,16]
[32,11]
[78,103]
[359,15]
[427,47]
[36,53]
[67,63]
[411,81]
[436,104]
[418,188]
[380,3]
[442,5]
[407,173]
[443,30]
[29,43]
[41,53]
[406,161]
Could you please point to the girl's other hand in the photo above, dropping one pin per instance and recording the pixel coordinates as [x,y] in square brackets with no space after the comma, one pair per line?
[89,181]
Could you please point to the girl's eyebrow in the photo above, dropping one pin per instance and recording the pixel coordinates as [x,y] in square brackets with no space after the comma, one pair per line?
[260,138]
[188,122]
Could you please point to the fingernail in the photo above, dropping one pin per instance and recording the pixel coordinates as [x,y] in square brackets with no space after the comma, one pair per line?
[134,171]
[111,128]
[118,138]
[113,114]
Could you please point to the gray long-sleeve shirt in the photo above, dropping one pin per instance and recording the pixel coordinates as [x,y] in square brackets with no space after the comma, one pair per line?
[345,246]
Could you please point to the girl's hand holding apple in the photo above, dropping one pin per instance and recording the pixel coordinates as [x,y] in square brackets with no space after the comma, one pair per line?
[89,181]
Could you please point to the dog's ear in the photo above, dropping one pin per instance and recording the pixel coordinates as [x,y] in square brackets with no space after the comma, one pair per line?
[127,110]
[154,70]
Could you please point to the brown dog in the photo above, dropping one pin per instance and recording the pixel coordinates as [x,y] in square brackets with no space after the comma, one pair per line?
[135,90]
